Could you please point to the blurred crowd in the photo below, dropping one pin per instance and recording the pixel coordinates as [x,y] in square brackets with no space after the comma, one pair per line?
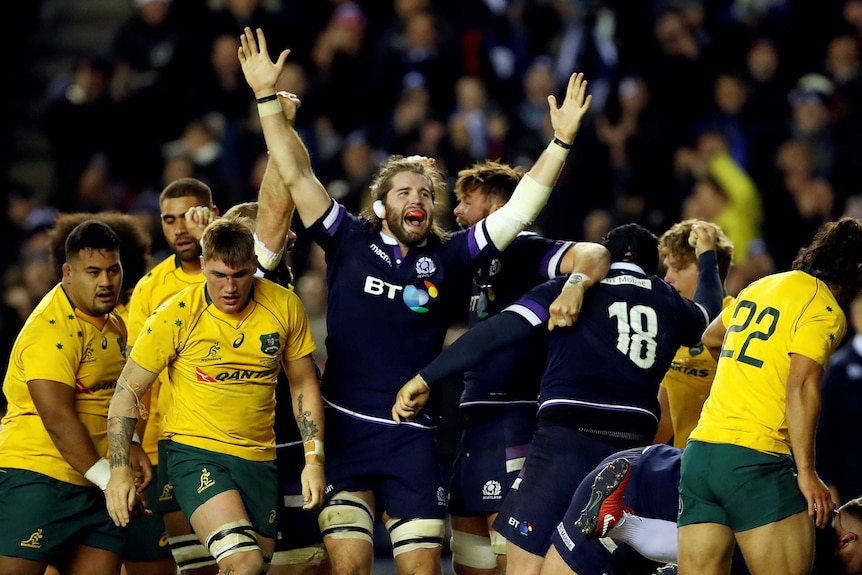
[744,112]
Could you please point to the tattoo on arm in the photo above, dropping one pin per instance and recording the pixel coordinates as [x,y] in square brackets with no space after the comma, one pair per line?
[307,428]
[120,430]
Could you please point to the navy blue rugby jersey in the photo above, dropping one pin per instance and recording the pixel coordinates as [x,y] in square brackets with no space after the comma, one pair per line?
[387,314]
[511,374]
[614,358]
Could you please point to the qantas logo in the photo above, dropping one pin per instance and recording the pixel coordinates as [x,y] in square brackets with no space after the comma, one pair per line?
[201,376]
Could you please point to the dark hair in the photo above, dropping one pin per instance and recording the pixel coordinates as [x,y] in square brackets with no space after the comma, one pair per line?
[135,242]
[834,255]
[91,235]
[185,187]
[635,244]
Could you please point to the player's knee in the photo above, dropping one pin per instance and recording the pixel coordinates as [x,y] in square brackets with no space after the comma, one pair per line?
[232,538]
[412,534]
[347,517]
[312,556]
[472,550]
[189,554]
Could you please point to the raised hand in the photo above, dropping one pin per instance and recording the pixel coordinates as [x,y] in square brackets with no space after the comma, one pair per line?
[260,72]
[703,237]
[566,118]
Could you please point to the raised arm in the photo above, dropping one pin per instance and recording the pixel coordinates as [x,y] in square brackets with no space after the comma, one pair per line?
[121,494]
[287,154]
[535,187]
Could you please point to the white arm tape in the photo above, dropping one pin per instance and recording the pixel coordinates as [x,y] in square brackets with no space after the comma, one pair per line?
[136,438]
[267,259]
[519,212]
[99,474]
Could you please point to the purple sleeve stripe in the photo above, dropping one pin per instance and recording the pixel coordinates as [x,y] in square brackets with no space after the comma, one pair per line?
[477,239]
[531,311]
[553,257]
[333,218]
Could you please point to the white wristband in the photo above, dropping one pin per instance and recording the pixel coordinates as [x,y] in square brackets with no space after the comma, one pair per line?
[99,474]
[136,438]
[577,280]
[267,258]
[269,108]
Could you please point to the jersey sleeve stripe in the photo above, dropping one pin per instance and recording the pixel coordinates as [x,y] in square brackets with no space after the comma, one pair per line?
[530,311]
[554,257]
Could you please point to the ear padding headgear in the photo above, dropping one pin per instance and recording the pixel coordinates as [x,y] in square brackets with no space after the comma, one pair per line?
[633,243]
[379,209]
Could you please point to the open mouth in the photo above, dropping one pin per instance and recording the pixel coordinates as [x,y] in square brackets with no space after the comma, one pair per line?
[414,217]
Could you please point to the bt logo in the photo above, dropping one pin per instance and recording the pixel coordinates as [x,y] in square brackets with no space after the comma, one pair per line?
[415,298]
[523,527]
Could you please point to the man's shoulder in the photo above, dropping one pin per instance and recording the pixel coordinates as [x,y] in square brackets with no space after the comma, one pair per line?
[156,274]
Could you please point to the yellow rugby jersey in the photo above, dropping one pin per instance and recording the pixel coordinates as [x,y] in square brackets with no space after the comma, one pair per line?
[222,368]
[161,283]
[687,383]
[60,343]
[791,312]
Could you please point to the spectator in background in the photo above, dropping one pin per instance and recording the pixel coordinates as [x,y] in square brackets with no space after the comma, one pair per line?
[341,67]
[477,128]
[81,121]
[633,135]
[811,119]
[425,49]
[724,194]
[586,43]
[766,108]
[800,200]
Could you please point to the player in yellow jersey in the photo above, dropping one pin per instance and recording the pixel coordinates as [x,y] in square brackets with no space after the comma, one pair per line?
[686,385]
[61,376]
[178,271]
[223,344]
[739,482]
[135,245]
[142,555]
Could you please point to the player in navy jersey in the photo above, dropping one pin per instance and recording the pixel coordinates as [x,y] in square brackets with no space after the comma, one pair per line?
[392,278]
[639,487]
[599,391]
[499,399]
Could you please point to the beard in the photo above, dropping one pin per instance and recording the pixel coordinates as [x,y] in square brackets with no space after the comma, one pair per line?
[408,237]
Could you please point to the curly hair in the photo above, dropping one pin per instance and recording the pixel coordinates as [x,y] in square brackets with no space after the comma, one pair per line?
[835,256]
[674,242]
[135,242]
[382,184]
